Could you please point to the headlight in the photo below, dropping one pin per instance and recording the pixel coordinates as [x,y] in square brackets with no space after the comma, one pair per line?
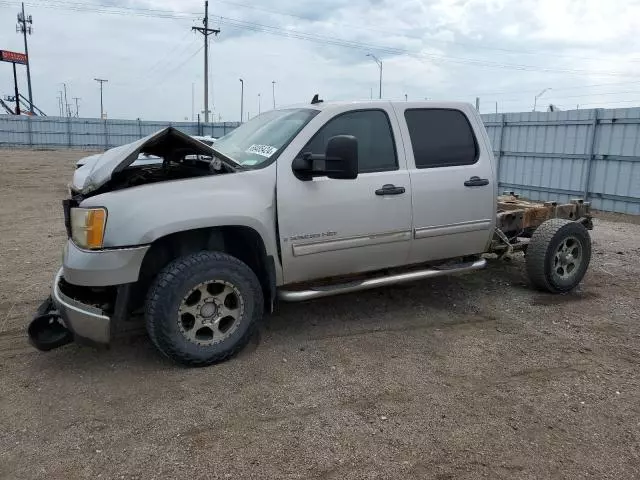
[87,226]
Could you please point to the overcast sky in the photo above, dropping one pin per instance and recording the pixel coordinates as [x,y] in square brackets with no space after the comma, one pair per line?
[505,51]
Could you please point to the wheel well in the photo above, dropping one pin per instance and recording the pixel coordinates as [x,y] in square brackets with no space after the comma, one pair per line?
[242,242]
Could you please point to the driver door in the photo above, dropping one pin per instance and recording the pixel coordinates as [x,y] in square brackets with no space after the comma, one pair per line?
[330,227]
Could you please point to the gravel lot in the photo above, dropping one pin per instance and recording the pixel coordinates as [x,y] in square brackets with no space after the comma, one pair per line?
[461,377]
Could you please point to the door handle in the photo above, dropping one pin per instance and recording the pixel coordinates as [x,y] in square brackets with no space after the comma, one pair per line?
[476,182]
[390,189]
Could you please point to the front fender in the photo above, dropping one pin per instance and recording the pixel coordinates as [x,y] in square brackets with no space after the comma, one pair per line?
[140,215]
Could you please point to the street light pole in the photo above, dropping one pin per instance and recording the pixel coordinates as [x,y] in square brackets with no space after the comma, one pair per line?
[241,98]
[535,100]
[379,62]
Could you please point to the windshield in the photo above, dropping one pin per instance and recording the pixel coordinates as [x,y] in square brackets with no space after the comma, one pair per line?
[258,142]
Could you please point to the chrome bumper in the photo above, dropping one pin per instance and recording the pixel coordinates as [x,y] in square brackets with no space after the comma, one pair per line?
[86,322]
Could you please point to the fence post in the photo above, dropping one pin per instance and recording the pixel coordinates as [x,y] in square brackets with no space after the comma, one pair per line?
[30,131]
[590,153]
[69,131]
[503,124]
[106,134]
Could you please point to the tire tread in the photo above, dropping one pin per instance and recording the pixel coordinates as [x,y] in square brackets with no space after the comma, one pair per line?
[158,308]
[537,251]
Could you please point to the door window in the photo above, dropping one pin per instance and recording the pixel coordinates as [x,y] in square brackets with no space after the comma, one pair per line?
[376,147]
[441,138]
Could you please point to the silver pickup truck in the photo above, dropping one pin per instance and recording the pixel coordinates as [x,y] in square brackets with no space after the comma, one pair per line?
[296,204]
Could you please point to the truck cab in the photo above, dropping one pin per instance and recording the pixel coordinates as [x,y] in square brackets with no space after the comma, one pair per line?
[299,203]
[413,200]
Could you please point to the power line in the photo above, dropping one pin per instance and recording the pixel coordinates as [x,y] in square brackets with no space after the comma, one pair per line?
[399,51]
[380,29]
[320,38]
[78,6]
[170,72]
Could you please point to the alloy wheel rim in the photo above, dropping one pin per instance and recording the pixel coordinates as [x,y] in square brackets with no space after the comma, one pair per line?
[210,312]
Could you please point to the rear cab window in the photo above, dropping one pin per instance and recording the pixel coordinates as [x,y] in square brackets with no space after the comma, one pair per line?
[441,137]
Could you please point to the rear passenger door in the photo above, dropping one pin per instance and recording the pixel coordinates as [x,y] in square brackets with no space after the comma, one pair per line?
[452,179]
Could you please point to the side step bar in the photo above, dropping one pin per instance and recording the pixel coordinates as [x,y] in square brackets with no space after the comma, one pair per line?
[355,286]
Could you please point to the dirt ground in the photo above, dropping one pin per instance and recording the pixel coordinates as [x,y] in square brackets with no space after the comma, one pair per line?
[461,377]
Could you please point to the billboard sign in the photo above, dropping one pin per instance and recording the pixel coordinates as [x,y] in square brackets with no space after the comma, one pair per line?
[13,57]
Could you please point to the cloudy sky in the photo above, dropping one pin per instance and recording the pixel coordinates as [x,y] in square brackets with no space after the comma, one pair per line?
[506,51]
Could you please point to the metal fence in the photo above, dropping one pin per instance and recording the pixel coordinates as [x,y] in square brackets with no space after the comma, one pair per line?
[91,133]
[594,154]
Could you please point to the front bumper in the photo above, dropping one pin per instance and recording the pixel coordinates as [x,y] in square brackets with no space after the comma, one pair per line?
[62,319]
[84,321]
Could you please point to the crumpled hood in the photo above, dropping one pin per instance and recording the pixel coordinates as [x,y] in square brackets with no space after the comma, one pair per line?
[169,143]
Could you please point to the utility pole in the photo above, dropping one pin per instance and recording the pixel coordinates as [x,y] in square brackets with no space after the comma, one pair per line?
[101,81]
[206,31]
[496,107]
[259,108]
[66,104]
[193,86]
[406,97]
[241,99]
[24,27]
[273,93]
[478,104]
[77,108]
[379,62]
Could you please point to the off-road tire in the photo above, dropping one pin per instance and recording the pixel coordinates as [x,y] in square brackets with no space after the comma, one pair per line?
[541,252]
[175,281]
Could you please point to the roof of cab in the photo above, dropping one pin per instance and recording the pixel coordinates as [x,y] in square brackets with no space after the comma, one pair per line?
[372,103]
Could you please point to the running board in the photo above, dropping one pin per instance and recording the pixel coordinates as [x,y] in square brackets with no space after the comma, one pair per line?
[355,286]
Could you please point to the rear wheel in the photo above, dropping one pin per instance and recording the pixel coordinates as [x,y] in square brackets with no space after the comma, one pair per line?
[202,308]
[558,255]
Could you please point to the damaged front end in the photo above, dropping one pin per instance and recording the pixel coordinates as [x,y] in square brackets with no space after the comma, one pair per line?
[165,155]
[86,310]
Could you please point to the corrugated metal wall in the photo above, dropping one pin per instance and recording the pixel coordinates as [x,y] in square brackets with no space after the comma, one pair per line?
[90,133]
[593,154]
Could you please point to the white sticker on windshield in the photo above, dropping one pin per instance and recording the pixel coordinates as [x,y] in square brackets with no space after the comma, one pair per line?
[262,150]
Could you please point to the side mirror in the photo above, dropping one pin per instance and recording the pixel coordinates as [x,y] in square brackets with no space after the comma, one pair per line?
[340,160]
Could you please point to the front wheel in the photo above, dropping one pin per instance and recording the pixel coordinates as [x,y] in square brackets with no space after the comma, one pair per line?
[202,308]
[558,255]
